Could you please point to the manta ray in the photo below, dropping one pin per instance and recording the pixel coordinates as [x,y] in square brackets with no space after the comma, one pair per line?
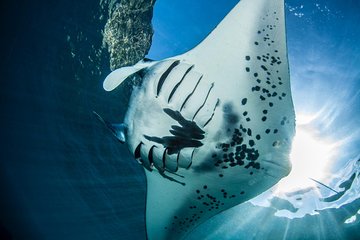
[212,127]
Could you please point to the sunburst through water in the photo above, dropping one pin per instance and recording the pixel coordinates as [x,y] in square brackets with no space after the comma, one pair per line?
[310,156]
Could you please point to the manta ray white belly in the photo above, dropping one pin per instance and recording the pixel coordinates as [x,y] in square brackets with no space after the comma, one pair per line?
[212,127]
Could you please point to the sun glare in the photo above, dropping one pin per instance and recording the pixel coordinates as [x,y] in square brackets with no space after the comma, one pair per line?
[310,156]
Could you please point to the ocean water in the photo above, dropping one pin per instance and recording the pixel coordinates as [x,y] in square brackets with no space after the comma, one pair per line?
[63,176]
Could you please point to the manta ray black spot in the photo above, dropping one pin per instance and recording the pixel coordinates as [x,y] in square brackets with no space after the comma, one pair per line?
[244,101]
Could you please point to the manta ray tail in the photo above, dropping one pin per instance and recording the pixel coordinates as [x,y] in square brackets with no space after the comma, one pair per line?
[322,184]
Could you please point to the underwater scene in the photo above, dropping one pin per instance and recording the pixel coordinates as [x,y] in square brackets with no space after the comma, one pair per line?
[158,119]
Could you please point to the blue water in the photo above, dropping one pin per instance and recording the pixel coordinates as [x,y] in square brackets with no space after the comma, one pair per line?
[63,176]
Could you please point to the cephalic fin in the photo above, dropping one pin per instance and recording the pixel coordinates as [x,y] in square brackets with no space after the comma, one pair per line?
[117,129]
[115,78]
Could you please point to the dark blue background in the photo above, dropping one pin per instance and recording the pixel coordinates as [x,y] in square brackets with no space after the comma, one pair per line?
[62,176]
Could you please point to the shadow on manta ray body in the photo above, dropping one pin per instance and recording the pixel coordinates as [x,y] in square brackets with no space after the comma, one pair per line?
[212,127]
